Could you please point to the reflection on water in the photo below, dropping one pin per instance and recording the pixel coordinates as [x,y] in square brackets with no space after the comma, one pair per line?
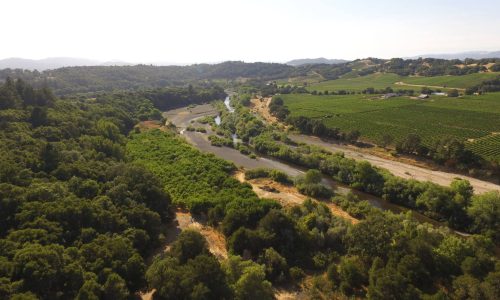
[217,120]
[227,102]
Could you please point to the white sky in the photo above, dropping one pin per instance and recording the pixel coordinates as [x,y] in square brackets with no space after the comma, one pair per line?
[191,31]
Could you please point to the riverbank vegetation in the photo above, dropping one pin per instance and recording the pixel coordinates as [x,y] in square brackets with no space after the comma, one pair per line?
[445,204]
[306,237]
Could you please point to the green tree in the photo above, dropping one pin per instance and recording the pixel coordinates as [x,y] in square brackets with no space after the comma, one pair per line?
[252,285]
[352,274]
[387,139]
[410,144]
[40,266]
[276,266]
[8,95]
[312,176]
[353,136]
[467,287]
[247,279]
[115,288]
[90,290]
[463,188]
[453,93]
[38,116]
[485,213]
[188,245]
[388,283]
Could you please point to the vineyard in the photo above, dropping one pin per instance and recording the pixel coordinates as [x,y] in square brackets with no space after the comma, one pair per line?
[463,81]
[377,81]
[487,146]
[383,80]
[474,119]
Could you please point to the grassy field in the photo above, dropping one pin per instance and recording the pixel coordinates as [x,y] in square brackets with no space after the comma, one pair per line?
[377,81]
[475,119]
[464,81]
[383,80]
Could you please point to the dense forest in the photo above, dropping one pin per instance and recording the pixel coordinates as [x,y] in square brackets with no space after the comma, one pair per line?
[77,217]
[108,78]
[85,196]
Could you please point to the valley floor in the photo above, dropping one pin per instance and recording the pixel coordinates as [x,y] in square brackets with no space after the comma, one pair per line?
[398,168]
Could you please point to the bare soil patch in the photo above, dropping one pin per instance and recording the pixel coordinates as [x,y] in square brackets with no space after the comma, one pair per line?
[288,195]
[216,240]
[184,220]
[261,106]
[145,125]
[429,86]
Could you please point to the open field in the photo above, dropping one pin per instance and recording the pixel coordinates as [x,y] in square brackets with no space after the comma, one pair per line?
[464,81]
[383,80]
[377,81]
[475,119]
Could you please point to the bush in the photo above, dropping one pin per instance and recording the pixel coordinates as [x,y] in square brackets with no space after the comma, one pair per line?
[220,141]
[296,274]
[275,175]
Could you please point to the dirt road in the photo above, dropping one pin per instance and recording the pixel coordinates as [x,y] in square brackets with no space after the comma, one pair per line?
[261,106]
[429,86]
[397,168]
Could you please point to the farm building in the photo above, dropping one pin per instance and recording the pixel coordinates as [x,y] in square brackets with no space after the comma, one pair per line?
[423,96]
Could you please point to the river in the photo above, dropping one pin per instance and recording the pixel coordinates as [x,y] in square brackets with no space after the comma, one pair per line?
[183,117]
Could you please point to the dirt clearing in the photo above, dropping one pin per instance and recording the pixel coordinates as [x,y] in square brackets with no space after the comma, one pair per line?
[144,125]
[261,106]
[184,220]
[428,86]
[288,195]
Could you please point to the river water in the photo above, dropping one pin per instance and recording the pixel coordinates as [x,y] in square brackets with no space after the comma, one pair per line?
[182,118]
[231,109]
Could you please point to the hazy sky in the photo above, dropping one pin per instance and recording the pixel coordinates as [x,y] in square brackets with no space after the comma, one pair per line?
[189,31]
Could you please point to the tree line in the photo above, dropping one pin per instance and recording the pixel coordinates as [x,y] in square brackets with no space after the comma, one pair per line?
[68,80]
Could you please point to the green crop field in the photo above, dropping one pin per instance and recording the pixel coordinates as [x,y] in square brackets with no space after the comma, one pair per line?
[383,80]
[377,81]
[474,119]
[464,81]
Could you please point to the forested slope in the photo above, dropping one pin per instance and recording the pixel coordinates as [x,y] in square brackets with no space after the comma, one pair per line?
[76,219]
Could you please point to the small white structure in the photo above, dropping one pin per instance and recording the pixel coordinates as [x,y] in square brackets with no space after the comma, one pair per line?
[389,95]
[423,96]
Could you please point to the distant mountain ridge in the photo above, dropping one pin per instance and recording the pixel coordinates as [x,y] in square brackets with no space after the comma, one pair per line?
[313,61]
[461,55]
[53,63]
